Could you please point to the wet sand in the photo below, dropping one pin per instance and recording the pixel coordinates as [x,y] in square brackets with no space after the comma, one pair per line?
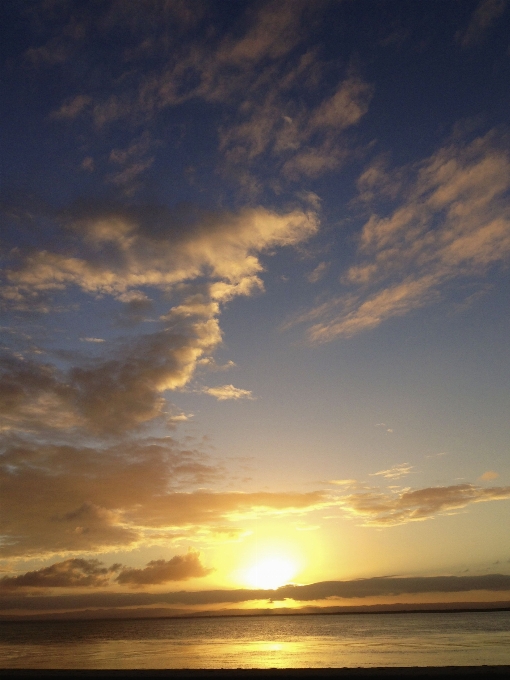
[421,673]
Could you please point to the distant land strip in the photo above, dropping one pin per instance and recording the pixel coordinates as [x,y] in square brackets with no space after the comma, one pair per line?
[167,613]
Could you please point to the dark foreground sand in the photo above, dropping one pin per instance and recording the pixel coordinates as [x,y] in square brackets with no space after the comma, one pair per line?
[422,673]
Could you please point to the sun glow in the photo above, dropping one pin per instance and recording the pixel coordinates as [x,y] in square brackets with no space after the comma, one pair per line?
[270,573]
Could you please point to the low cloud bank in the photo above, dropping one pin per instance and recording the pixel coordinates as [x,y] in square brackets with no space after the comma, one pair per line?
[371,587]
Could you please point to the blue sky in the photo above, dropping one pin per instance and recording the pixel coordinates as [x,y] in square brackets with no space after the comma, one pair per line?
[255,296]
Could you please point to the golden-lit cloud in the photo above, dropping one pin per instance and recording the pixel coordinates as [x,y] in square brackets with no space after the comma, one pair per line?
[113,394]
[73,573]
[489,476]
[395,472]
[379,508]
[91,573]
[224,392]
[452,221]
[125,388]
[132,494]
[159,251]
[179,568]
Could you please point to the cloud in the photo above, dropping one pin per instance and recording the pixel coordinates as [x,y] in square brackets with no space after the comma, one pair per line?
[481,21]
[301,142]
[73,573]
[79,495]
[371,587]
[34,396]
[73,107]
[88,164]
[318,272]
[153,247]
[389,430]
[489,476]
[343,482]
[132,162]
[111,395]
[91,339]
[57,499]
[395,472]
[224,392]
[378,508]
[179,568]
[252,70]
[452,221]
[124,389]
[80,572]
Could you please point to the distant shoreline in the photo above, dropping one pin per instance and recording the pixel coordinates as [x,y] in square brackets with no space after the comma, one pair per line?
[89,615]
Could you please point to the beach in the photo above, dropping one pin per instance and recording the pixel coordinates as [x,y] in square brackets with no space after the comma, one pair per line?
[413,673]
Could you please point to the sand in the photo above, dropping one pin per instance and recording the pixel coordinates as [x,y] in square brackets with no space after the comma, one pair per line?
[421,673]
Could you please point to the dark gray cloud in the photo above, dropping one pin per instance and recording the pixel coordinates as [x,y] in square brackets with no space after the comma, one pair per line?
[373,587]
[179,568]
[73,573]
[80,572]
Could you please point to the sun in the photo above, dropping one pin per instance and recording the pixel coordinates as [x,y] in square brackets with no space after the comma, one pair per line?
[270,573]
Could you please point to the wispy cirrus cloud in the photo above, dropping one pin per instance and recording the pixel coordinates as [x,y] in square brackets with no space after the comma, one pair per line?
[256,70]
[395,472]
[298,141]
[319,271]
[452,221]
[482,19]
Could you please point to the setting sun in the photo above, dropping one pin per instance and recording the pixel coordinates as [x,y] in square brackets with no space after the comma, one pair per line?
[270,573]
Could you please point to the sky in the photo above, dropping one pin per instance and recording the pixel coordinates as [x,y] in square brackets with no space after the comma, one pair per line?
[255,293]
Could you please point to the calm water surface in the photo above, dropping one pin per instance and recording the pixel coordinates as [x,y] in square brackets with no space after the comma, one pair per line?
[261,642]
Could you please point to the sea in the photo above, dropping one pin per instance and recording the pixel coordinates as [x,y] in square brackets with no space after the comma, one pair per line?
[312,641]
